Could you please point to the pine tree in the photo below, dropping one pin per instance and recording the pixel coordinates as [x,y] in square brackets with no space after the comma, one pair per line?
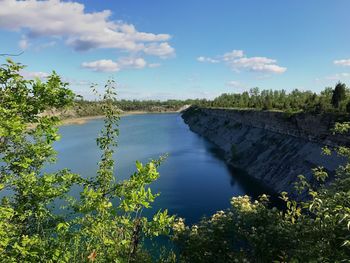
[338,94]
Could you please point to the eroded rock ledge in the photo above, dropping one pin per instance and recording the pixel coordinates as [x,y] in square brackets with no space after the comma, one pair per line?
[272,147]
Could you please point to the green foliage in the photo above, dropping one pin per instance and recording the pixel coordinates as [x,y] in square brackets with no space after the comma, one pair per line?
[328,100]
[338,94]
[105,224]
[90,108]
[348,107]
[315,230]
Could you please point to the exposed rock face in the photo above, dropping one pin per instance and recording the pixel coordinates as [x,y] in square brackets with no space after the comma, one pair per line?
[270,146]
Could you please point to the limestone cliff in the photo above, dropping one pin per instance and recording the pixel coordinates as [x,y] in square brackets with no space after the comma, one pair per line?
[270,146]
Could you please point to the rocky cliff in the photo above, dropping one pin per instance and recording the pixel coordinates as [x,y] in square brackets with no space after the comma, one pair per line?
[272,147]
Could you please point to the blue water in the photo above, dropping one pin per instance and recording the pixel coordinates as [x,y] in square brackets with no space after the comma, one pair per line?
[194,180]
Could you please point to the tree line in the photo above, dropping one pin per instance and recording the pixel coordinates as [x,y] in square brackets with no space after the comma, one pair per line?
[335,100]
[329,100]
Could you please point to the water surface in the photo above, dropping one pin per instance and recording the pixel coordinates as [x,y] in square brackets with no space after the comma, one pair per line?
[194,180]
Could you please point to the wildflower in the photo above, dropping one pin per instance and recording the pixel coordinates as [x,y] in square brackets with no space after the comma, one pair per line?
[179,225]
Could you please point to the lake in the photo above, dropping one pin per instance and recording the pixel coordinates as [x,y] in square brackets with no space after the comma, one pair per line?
[194,179]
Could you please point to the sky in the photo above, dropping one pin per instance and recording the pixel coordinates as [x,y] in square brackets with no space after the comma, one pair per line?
[162,49]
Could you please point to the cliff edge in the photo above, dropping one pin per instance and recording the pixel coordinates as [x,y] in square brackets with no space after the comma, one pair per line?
[272,147]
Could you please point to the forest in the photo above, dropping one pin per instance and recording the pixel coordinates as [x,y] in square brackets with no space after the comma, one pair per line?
[335,99]
[330,100]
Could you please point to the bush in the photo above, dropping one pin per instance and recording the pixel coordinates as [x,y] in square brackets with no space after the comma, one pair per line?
[105,224]
[348,107]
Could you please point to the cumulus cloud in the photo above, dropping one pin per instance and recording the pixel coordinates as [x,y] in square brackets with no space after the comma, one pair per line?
[232,55]
[136,63]
[342,62]
[162,50]
[76,82]
[206,59]
[79,29]
[103,65]
[338,76]
[237,85]
[23,44]
[154,65]
[34,74]
[107,65]
[237,61]
[256,64]
[233,84]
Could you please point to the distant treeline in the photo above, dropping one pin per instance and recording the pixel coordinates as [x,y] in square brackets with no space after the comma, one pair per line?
[336,100]
[329,100]
[88,108]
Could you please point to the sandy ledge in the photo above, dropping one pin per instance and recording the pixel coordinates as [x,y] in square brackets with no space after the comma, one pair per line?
[83,120]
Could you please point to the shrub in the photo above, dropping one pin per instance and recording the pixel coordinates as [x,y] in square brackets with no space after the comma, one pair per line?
[105,224]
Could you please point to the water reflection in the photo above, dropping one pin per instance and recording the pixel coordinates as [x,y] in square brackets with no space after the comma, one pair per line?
[194,181]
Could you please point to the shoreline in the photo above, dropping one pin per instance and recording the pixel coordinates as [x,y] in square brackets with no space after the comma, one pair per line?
[84,120]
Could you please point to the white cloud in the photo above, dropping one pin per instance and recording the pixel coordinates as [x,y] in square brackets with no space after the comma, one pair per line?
[338,76]
[162,50]
[237,61]
[233,84]
[256,64]
[79,29]
[154,65]
[23,44]
[76,82]
[136,63]
[206,59]
[342,62]
[237,86]
[107,65]
[34,74]
[232,55]
[103,65]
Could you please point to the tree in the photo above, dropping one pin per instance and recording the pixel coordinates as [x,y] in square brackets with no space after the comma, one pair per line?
[338,94]
[348,107]
[106,223]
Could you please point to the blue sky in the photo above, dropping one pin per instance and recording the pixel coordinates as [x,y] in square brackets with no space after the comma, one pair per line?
[162,49]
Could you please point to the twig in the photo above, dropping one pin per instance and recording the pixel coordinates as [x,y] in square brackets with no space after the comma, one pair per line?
[12,55]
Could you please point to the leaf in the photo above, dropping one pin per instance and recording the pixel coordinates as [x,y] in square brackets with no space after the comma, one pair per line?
[139,166]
